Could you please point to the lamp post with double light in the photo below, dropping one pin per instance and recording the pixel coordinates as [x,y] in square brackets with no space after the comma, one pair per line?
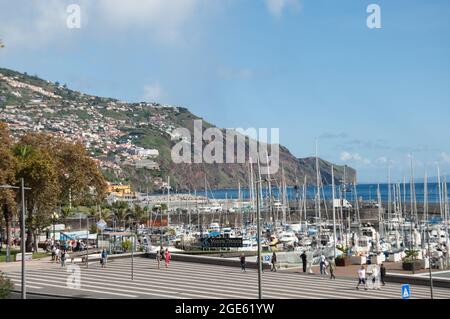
[55,217]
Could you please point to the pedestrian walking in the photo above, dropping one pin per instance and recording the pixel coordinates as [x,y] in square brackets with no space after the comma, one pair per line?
[158,258]
[63,258]
[382,274]
[322,263]
[260,261]
[362,277]
[375,281]
[304,260]
[104,256]
[57,254]
[242,259]
[53,253]
[167,257]
[161,254]
[274,262]
[325,266]
[332,268]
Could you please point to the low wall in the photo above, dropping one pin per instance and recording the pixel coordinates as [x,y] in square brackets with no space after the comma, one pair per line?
[97,257]
[230,262]
[416,280]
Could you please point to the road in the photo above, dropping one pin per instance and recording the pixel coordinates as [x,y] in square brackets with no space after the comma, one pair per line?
[199,281]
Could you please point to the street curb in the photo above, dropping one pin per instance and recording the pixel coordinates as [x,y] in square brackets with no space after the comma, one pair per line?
[49,295]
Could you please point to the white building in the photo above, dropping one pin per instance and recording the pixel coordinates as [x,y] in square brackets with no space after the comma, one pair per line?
[146,152]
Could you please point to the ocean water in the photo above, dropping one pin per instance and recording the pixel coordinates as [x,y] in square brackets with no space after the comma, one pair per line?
[365,192]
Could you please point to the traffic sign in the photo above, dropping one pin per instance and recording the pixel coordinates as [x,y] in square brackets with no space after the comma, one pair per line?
[101,224]
[267,259]
[406,292]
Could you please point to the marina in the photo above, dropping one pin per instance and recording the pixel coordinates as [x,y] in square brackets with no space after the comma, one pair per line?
[351,224]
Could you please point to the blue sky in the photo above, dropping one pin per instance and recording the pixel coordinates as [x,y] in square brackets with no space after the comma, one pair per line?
[309,67]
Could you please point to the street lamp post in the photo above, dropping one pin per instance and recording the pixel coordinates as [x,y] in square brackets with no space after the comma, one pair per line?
[22,240]
[54,219]
[87,242]
[258,235]
[132,255]
[259,241]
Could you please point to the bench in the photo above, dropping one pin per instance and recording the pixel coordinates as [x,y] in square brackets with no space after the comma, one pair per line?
[28,256]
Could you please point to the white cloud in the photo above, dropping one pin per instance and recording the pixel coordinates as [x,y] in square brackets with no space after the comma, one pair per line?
[153,93]
[32,24]
[355,157]
[383,160]
[37,23]
[445,157]
[277,7]
[163,19]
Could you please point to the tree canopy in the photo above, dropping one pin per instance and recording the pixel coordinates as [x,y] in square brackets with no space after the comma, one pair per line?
[60,173]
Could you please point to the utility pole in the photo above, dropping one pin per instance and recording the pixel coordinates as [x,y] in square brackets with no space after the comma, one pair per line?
[87,242]
[132,256]
[259,241]
[22,239]
[24,274]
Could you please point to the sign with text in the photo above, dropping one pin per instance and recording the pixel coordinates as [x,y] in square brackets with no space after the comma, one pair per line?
[221,242]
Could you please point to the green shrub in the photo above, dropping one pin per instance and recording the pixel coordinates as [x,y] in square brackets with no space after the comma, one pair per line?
[411,255]
[5,287]
[126,245]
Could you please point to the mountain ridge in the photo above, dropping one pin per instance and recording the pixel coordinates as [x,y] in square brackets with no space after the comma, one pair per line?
[114,132]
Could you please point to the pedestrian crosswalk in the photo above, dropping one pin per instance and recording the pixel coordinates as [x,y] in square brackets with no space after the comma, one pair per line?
[198,281]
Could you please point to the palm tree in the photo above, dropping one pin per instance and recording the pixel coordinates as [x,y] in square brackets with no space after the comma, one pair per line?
[139,214]
[121,212]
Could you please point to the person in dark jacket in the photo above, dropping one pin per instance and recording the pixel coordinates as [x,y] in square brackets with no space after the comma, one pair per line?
[104,257]
[274,262]
[242,259]
[382,274]
[63,258]
[304,260]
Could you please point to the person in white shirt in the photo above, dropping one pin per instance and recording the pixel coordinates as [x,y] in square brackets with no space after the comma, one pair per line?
[375,281]
[362,277]
[58,254]
[322,264]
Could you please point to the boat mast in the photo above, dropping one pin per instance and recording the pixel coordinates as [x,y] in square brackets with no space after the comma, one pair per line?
[168,201]
[270,212]
[380,212]
[356,201]
[425,197]
[305,199]
[446,212]
[404,195]
[318,186]
[389,195]
[440,193]
[251,187]
[260,182]
[334,211]
[285,203]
